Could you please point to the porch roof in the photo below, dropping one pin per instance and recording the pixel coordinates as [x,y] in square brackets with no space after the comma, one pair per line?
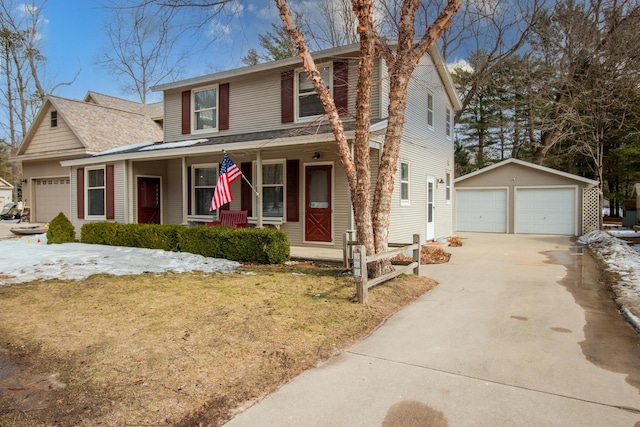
[246,141]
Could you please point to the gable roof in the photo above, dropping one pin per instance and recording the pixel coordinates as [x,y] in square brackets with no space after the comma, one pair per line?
[343,51]
[97,127]
[153,110]
[5,185]
[529,165]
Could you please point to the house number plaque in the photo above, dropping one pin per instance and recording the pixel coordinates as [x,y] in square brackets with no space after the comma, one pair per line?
[357,263]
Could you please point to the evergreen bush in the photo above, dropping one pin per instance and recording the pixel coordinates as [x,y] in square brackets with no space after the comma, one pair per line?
[263,246]
[61,230]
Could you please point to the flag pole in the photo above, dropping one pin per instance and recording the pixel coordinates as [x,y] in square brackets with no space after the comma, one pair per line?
[243,177]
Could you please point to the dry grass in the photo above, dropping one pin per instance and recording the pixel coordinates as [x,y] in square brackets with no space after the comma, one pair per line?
[175,349]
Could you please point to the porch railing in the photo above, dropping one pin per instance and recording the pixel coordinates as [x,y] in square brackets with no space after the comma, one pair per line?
[359,260]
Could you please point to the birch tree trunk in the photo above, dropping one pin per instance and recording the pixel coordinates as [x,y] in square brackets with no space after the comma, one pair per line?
[372,221]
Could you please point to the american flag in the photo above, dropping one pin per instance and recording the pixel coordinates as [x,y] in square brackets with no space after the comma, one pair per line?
[229,172]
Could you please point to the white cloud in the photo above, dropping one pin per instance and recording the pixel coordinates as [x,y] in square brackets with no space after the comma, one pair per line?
[459,63]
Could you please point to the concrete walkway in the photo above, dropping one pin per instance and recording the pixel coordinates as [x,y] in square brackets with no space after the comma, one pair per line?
[506,339]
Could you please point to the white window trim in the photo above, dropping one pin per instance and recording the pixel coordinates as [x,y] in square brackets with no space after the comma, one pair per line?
[430,110]
[449,122]
[258,203]
[449,186]
[102,217]
[193,109]
[296,95]
[192,190]
[407,201]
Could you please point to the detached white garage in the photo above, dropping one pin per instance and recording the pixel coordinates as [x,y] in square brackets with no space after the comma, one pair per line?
[519,197]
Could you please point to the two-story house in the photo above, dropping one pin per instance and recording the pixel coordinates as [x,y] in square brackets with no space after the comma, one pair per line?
[68,128]
[269,120]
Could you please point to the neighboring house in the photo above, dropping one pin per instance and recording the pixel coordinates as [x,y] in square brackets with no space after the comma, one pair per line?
[514,196]
[67,129]
[6,191]
[269,120]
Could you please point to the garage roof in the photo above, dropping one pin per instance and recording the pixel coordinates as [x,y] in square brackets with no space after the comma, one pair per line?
[587,181]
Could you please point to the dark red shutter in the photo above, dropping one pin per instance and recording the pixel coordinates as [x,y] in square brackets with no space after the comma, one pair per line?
[110,193]
[223,119]
[80,193]
[341,86]
[188,190]
[286,97]
[246,193]
[293,189]
[186,112]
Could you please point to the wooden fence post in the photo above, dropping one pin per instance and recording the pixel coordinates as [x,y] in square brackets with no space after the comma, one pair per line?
[360,273]
[416,253]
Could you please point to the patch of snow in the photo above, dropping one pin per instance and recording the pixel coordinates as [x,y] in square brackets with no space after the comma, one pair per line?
[124,148]
[623,259]
[177,144]
[31,258]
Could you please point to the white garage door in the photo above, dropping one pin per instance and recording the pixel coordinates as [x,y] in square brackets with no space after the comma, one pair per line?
[545,211]
[481,210]
[52,197]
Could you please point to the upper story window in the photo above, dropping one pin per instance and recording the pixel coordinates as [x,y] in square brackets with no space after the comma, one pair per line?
[54,119]
[95,196]
[448,129]
[204,182]
[308,102]
[404,184]
[430,111]
[205,109]
[273,172]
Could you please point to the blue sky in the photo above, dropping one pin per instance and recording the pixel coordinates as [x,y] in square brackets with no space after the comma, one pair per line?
[73,36]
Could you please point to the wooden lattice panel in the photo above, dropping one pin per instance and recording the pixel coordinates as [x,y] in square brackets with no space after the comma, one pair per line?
[590,210]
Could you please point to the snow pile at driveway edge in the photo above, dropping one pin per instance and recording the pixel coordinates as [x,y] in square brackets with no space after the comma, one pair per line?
[623,260]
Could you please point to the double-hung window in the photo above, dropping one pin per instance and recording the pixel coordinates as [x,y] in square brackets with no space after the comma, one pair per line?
[430,111]
[404,184]
[448,187]
[54,119]
[204,178]
[205,109]
[308,102]
[96,191]
[273,173]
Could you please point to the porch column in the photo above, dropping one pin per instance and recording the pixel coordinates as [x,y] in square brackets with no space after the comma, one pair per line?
[258,198]
[185,191]
[130,183]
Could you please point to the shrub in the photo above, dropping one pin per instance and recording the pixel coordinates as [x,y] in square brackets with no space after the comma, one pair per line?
[61,230]
[263,246]
[149,236]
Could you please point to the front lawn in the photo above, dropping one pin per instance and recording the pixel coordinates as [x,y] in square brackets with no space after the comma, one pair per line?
[174,349]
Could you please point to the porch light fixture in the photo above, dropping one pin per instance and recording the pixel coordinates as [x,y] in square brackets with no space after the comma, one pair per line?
[316,156]
[24,181]
[440,181]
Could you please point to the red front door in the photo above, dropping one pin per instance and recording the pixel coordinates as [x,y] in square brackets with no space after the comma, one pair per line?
[148,200]
[318,207]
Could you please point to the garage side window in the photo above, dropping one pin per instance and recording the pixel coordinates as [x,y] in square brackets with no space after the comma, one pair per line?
[404,184]
[448,187]
[95,195]
[430,111]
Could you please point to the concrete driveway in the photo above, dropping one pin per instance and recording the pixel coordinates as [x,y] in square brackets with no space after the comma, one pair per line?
[519,332]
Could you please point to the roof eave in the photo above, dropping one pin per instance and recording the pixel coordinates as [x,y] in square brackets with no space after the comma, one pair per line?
[587,181]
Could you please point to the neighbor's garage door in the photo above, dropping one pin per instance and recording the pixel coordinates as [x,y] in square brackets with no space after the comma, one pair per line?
[545,210]
[52,197]
[481,210]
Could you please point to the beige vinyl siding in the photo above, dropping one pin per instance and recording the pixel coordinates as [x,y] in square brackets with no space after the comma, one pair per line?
[172,193]
[429,153]
[46,137]
[254,105]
